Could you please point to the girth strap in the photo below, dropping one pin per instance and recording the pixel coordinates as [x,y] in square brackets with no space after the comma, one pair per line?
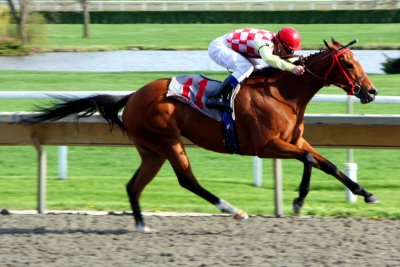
[229,128]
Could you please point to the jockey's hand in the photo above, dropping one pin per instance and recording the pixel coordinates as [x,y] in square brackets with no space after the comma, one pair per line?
[298,70]
[303,57]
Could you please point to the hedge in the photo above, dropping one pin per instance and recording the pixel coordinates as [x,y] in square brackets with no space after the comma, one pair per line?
[255,17]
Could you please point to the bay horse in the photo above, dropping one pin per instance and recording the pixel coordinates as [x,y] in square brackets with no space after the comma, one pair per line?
[269,121]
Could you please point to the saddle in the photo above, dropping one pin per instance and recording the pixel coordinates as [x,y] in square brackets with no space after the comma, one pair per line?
[194,91]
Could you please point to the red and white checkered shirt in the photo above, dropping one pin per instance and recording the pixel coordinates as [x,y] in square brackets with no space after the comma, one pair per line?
[243,40]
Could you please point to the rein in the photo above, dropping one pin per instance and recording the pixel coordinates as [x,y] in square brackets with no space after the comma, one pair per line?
[354,88]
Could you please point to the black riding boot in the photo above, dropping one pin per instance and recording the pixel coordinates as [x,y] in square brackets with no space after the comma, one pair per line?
[222,100]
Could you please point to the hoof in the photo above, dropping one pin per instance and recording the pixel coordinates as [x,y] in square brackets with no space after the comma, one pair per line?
[144,229]
[297,205]
[371,199]
[241,216]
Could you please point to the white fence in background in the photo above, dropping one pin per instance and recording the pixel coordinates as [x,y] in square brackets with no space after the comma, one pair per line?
[212,5]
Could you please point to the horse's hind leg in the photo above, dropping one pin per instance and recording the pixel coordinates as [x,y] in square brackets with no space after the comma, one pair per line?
[150,165]
[181,165]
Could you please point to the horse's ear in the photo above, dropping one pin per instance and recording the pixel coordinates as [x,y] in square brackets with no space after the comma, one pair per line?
[327,45]
[335,43]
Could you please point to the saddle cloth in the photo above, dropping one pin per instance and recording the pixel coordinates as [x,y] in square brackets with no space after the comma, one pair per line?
[194,90]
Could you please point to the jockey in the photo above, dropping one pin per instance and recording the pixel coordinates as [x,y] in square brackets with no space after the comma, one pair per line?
[238,51]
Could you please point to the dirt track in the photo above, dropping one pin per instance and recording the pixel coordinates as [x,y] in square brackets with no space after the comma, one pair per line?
[88,240]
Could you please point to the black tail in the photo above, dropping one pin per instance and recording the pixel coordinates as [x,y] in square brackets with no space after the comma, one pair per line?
[107,105]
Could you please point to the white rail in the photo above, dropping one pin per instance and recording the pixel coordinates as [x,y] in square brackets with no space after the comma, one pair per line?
[50,94]
[213,5]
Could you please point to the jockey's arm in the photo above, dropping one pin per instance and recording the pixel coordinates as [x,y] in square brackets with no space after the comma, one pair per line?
[265,48]
[258,64]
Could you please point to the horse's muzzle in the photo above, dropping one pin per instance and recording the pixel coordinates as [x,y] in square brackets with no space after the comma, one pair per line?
[367,96]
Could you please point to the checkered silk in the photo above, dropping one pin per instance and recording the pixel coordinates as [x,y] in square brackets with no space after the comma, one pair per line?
[243,40]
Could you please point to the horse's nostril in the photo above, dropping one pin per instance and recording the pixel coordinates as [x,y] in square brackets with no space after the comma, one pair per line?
[372,91]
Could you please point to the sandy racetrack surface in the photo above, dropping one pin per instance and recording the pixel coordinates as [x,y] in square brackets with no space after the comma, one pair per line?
[109,240]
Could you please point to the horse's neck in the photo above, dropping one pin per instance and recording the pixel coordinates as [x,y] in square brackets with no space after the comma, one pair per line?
[305,88]
[294,91]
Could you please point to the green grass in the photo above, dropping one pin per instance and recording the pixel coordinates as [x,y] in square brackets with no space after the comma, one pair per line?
[97,178]
[198,36]
[97,175]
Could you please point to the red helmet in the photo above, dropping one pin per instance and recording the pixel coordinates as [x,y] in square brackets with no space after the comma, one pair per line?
[289,37]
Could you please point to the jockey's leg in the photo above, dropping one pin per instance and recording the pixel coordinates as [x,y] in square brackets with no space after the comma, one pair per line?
[222,100]
[230,59]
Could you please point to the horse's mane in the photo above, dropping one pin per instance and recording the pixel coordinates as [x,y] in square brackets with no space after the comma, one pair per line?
[304,60]
[270,71]
[267,71]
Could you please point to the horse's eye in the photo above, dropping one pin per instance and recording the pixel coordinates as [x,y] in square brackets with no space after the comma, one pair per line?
[349,65]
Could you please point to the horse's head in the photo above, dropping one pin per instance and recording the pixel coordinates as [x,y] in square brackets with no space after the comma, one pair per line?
[343,70]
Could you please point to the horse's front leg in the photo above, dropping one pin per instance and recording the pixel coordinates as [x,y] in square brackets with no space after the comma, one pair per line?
[278,148]
[304,186]
[329,168]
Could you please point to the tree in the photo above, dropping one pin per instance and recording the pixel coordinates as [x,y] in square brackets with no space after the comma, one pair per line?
[20,17]
[86,18]
[392,65]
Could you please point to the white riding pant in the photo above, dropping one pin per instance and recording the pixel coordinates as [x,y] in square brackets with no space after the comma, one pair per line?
[230,59]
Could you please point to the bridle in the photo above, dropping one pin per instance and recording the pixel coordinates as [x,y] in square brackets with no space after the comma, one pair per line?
[352,87]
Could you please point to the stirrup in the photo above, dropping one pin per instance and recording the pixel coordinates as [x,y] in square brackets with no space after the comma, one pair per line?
[218,103]
[223,99]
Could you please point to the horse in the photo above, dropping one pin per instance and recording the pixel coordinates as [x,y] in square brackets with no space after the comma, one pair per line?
[269,117]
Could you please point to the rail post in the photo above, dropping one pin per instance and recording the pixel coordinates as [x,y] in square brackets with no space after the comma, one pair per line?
[42,173]
[257,171]
[42,180]
[351,172]
[278,187]
[350,167]
[62,162]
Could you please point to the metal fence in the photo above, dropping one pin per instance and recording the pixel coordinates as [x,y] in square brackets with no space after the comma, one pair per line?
[212,5]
